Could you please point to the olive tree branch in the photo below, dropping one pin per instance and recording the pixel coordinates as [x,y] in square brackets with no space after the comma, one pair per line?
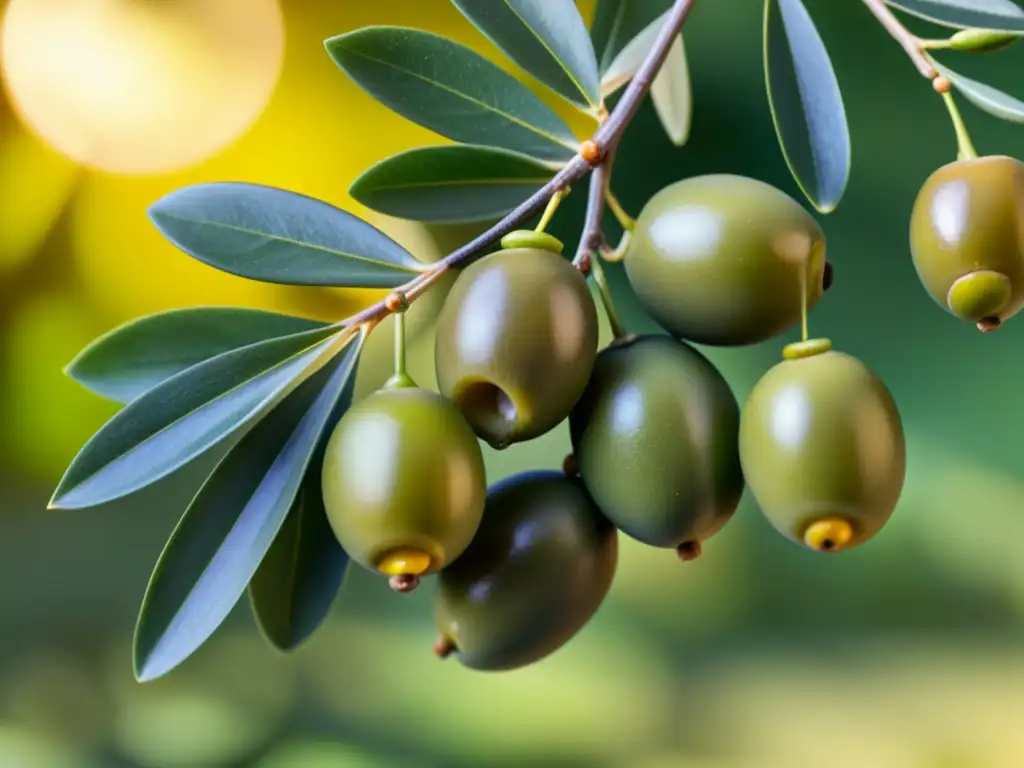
[912,44]
[604,139]
[592,237]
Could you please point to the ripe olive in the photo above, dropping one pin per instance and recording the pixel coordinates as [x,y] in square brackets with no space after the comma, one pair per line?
[967,239]
[516,340]
[724,259]
[655,438]
[822,448]
[538,568]
[404,483]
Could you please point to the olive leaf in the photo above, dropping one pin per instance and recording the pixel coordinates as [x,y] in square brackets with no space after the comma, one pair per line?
[806,104]
[450,184]
[672,96]
[985,97]
[276,236]
[547,38]
[617,23]
[186,415]
[135,357]
[1003,15]
[451,90]
[628,60]
[218,544]
[296,584]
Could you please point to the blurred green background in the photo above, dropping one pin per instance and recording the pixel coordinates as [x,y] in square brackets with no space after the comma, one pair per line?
[905,653]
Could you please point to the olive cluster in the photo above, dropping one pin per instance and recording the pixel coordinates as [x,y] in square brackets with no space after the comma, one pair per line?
[662,450]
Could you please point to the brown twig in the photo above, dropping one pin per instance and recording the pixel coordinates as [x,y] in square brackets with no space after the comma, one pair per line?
[910,42]
[605,138]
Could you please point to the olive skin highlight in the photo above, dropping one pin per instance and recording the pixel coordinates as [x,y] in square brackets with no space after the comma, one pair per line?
[403,482]
[967,239]
[722,259]
[655,437]
[516,340]
[823,448]
[537,570]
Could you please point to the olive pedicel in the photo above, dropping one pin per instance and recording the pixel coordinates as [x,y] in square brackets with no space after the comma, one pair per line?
[537,570]
[404,483]
[655,438]
[516,340]
[967,239]
[822,448]
[723,260]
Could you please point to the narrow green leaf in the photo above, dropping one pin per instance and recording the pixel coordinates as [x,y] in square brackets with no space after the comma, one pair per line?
[451,90]
[217,546]
[277,236]
[628,60]
[186,415]
[449,184]
[976,40]
[135,357]
[985,97]
[547,38]
[671,94]
[806,105]
[297,582]
[1004,15]
[617,22]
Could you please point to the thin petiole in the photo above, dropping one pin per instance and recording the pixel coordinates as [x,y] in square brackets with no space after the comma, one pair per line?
[626,221]
[963,138]
[552,206]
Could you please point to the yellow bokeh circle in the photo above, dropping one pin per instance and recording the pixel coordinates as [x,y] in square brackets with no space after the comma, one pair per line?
[140,86]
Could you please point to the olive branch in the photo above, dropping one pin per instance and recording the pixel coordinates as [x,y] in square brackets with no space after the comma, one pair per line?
[236,405]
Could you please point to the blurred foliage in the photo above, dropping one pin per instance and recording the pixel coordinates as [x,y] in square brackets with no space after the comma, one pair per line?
[903,654]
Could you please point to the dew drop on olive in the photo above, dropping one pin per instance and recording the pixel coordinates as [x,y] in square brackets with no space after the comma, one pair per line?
[822,448]
[516,340]
[967,239]
[537,570]
[655,437]
[723,260]
[403,483]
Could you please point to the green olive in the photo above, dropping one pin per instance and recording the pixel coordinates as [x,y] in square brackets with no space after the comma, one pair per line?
[404,483]
[538,568]
[655,438]
[967,239]
[516,340]
[822,448]
[724,260]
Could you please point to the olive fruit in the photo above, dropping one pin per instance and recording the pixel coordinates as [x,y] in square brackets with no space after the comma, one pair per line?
[967,239]
[822,448]
[655,439]
[725,260]
[538,568]
[516,340]
[403,483]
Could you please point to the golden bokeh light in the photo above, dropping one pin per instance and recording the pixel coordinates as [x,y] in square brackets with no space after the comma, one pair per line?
[140,86]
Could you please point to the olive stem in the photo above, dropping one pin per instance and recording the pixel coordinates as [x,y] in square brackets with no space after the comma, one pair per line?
[606,299]
[963,138]
[607,135]
[592,237]
[933,45]
[910,42]
[401,377]
[626,221]
[619,252]
[549,211]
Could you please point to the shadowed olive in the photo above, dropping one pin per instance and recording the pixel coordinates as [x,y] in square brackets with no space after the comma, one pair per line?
[538,568]
[967,239]
[516,340]
[822,448]
[723,260]
[655,439]
[404,483]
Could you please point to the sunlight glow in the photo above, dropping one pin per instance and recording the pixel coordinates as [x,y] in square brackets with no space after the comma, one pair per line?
[140,86]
